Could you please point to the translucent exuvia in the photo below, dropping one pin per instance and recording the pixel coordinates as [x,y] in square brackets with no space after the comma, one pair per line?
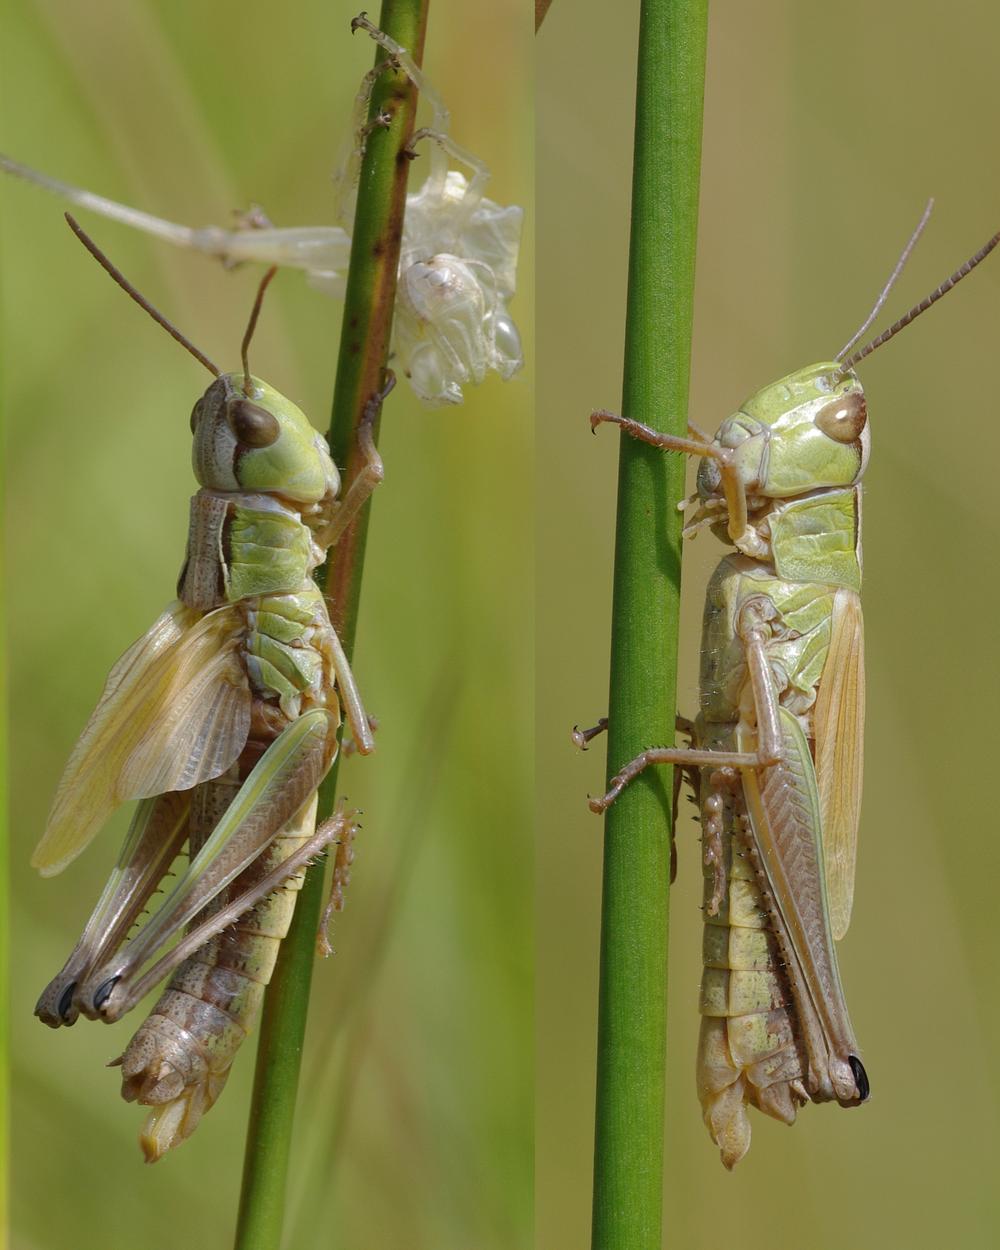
[458,262]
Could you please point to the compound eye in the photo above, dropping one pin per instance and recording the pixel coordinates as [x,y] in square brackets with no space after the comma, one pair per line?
[196,412]
[253,426]
[843,418]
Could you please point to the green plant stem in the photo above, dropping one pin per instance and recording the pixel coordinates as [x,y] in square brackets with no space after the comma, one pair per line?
[628,1154]
[5,1014]
[364,349]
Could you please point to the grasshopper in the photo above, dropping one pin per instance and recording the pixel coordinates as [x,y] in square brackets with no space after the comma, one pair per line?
[458,261]
[221,721]
[776,752]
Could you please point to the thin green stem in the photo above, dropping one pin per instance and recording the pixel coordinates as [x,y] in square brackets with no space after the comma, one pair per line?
[4,933]
[364,349]
[628,1156]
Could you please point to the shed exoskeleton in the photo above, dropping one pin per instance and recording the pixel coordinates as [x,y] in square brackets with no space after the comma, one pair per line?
[458,260]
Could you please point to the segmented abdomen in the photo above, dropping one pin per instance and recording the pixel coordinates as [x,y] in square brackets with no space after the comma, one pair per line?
[179,1059]
[747,1048]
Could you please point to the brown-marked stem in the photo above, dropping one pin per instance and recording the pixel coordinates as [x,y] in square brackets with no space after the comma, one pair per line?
[364,349]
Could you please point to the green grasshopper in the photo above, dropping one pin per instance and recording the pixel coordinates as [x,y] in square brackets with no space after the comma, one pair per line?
[776,752]
[221,721]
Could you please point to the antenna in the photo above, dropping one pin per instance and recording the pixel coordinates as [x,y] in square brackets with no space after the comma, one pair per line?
[141,300]
[924,304]
[252,325]
[904,257]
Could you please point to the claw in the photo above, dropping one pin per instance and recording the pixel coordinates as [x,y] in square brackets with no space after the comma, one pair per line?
[103,992]
[66,1001]
[582,736]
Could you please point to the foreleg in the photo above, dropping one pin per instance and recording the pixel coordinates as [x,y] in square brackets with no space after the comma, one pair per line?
[371,473]
[744,536]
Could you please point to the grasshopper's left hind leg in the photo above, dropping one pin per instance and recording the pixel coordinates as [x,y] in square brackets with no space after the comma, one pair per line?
[287,774]
[581,737]
[154,840]
[215,994]
[753,633]
[679,757]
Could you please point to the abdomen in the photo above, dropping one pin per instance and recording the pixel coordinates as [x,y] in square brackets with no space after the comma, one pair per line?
[747,1048]
[179,1060]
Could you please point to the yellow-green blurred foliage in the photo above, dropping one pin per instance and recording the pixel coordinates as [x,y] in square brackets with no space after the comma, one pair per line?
[415,1121]
[826,129]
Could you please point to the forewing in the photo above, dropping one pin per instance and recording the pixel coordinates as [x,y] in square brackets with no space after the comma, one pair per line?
[839,726]
[785,832]
[175,711]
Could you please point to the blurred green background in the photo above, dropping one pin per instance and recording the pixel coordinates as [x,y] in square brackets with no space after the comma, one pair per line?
[826,129]
[415,1122]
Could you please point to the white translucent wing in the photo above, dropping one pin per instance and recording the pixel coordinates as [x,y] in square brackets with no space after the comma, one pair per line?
[839,726]
[175,711]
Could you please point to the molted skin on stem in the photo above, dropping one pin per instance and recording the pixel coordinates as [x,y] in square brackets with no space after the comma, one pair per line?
[456,269]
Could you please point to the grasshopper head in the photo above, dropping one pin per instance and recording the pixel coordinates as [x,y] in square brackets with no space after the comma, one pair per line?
[259,442]
[806,431]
